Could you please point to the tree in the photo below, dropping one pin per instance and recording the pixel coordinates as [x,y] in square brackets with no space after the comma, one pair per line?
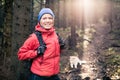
[21,27]
[5,29]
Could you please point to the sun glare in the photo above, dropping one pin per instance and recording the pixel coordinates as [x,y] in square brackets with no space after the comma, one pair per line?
[88,5]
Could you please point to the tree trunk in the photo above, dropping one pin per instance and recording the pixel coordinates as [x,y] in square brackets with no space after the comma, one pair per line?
[6,40]
[20,31]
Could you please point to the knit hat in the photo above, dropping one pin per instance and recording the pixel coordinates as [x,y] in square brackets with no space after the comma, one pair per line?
[45,11]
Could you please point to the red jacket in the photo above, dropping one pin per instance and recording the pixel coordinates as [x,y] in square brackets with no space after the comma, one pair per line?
[48,64]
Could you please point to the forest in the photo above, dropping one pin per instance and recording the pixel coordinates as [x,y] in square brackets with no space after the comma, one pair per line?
[90,29]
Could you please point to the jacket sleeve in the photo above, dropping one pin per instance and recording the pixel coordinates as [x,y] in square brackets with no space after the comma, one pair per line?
[28,49]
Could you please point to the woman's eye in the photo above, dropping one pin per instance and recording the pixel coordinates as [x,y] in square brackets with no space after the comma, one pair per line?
[44,18]
[50,18]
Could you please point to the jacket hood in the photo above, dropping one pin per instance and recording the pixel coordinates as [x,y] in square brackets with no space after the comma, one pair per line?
[41,29]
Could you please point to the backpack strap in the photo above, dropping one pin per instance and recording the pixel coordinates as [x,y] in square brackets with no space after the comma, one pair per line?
[39,36]
[61,42]
[40,39]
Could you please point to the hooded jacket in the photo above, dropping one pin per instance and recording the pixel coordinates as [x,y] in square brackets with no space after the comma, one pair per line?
[48,64]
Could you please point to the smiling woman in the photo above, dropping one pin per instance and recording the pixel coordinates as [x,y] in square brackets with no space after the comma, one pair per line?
[47,21]
[45,58]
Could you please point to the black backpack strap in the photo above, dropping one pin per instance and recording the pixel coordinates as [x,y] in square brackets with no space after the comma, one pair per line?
[40,39]
[61,42]
[39,36]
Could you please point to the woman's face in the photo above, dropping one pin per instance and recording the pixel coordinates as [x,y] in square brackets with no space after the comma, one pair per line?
[47,21]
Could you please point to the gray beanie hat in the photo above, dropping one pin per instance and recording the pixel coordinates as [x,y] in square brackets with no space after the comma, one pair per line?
[45,11]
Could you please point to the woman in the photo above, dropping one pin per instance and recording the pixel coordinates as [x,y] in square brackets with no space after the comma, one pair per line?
[45,65]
